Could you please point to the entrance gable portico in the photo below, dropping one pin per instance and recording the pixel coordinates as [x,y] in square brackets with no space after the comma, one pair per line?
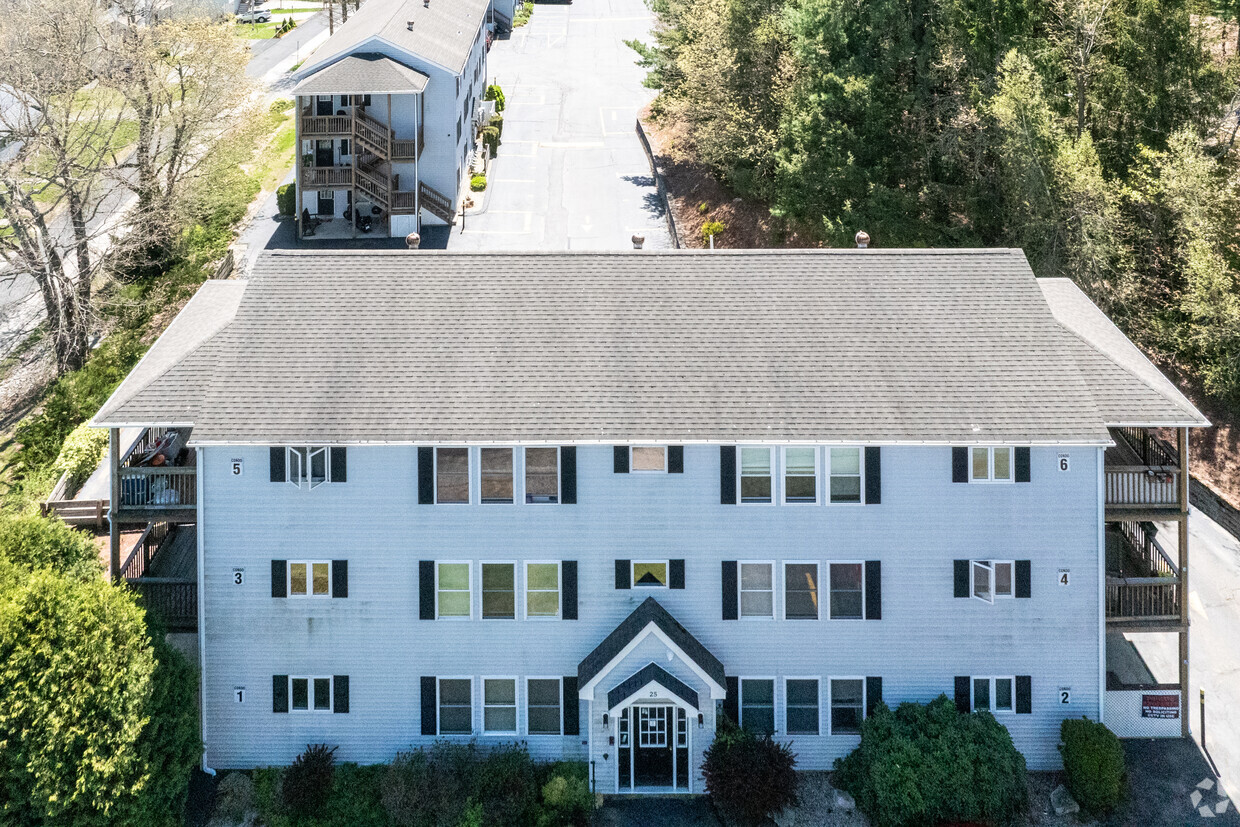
[641,683]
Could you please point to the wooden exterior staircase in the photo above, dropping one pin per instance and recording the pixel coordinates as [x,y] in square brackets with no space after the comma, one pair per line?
[436,203]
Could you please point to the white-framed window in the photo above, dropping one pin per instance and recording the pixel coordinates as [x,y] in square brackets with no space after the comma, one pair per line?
[542,590]
[652,726]
[310,693]
[499,591]
[456,706]
[496,474]
[646,459]
[757,704]
[451,475]
[756,479]
[452,590]
[649,574]
[800,475]
[990,464]
[309,578]
[847,699]
[757,590]
[801,591]
[845,472]
[847,600]
[499,706]
[542,475]
[995,694]
[542,706]
[308,466]
[991,579]
[801,706]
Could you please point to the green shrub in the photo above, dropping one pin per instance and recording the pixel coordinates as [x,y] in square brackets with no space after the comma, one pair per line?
[497,121]
[566,800]
[307,784]
[494,93]
[750,778]
[490,138]
[506,786]
[711,228]
[1093,761]
[478,183]
[280,106]
[286,199]
[929,764]
[81,453]
[32,542]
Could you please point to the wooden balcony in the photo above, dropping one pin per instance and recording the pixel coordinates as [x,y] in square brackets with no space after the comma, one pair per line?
[326,126]
[157,479]
[403,202]
[313,178]
[162,568]
[372,135]
[1143,584]
[1143,477]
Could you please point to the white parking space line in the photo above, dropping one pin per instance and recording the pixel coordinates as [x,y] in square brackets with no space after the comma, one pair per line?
[572,144]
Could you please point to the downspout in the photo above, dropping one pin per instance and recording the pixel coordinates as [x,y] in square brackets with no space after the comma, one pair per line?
[1182,439]
[202,609]
[114,528]
[1102,584]
[417,157]
[297,161]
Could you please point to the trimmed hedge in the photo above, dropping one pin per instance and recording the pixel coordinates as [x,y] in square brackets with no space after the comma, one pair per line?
[1093,761]
[286,199]
[929,764]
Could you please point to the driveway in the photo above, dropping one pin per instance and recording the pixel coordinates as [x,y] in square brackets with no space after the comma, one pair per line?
[571,173]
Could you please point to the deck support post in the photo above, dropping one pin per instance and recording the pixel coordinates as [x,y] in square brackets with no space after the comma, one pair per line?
[114,501]
[1182,445]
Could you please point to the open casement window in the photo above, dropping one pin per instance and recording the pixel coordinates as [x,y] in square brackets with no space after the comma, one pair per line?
[801,711]
[847,705]
[499,706]
[542,590]
[310,694]
[757,590]
[755,476]
[456,706]
[801,591]
[308,578]
[991,579]
[542,706]
[994,694]
[496,470]
[650,575]
[308,467]
[452,590]
[542,475]
[990,464]
[758,705]
[452,475]
[499,591]
[648,459]
[844,470]
[847,591]
[801,475]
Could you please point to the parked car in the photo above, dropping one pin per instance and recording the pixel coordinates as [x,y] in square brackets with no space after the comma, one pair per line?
[255,16]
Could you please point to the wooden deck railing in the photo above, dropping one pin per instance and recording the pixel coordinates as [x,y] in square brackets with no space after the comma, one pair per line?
[1146,556]
[1143,599]
[435,201]
[327,176]
[143,551]
[1143,486]
[158,488]
[373,134]
[173,601]
[403,202]
[406,150]
[373,184]
[322,125]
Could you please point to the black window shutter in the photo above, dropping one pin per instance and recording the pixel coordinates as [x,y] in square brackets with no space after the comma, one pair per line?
[960,465]
[568,588]
[430,713]
[623,573]
[279,580]
[1024,695]
[960,578]
[568,475]
[279,693]
[964,695]
[732,703]
[730,597]
[676,574]
[426,476]
[1024,578]
[340,693]
[277,465]
[727,474]
[620,459]
[426,590]
[675,459]
[340,464]
[873,475]
[873,694]
[873,590]
[1022,464]
[340,578]
[572,714]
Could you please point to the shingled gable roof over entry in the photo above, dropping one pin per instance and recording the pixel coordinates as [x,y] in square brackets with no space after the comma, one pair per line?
[944,347]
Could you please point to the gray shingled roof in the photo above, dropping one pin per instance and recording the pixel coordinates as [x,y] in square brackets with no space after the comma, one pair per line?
[880,346]
[650,611]
[1126,386]
[651,672]
[443,32]
[361,74]
[166,385]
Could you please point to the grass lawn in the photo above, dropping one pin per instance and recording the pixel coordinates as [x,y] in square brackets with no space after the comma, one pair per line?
[258,31]
[522,15]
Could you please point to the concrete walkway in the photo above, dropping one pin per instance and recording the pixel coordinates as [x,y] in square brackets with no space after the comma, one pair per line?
[571,173]
[639,811]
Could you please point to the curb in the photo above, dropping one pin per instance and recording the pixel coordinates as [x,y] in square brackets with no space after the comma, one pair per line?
[660,185]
